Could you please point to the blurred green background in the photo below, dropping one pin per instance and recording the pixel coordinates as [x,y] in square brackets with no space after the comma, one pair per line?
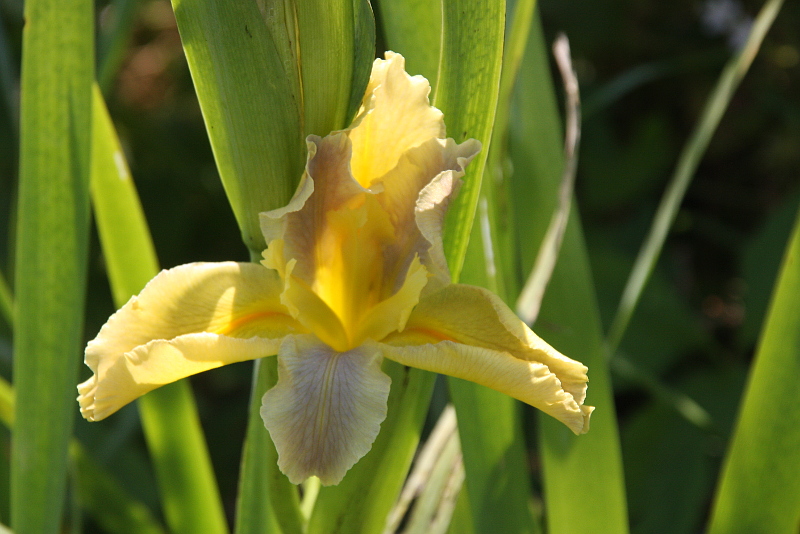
[646,69]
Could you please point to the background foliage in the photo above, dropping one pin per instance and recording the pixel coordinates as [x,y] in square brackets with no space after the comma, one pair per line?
[646,69]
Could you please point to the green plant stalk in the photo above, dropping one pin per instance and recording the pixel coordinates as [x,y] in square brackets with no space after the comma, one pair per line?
[189,493]
[583,478]
[52,244]
[267,501]
[690,158]
[759,490]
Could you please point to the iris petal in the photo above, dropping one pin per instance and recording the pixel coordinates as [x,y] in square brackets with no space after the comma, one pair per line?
[395,117]
[467,332]
[326,409]
[186,320]
[415,195]
[161,362]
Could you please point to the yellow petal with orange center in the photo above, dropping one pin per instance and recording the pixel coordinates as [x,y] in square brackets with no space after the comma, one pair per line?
[161,362]
[186,320]
[467,332]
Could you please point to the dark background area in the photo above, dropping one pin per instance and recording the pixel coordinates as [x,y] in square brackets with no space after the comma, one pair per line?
[646,69]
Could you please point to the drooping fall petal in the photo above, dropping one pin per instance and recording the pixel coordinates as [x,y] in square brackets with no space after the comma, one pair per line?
[326,409]
[186,320]
[467,332]
[161,362]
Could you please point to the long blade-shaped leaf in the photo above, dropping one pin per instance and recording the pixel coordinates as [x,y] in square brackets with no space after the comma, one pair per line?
[466,91]
[112,42]
[169,417]
[690,158]
[490,424]
[583,482]
[267,74]
[759,490]
[6,302]
[414,28]
[52,230]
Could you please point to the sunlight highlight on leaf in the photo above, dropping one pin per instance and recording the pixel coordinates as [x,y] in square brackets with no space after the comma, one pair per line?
[51,251]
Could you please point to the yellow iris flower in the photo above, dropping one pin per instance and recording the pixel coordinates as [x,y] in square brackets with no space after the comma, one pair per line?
[354,272]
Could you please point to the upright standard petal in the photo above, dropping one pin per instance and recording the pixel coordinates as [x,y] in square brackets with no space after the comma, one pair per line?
[186,320]
[326,409]
[352,248]
[467,332]
[395,116]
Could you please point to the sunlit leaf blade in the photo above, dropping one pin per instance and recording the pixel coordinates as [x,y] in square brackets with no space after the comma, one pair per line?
[190,497]
[583,481]
[466,91]
[690,157]
[52,240]
[759,491]
[413,28]
[267,74]
[490,425]
[247,98]
[125,239]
